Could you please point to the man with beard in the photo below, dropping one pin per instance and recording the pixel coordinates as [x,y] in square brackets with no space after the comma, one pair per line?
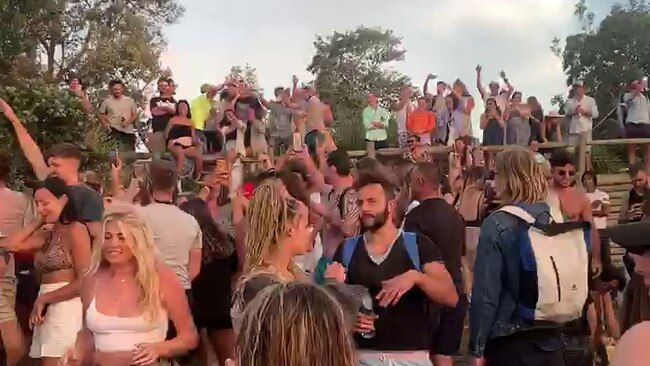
[118,113]
[444,226]
[163,108]
[403,272]
[633,202]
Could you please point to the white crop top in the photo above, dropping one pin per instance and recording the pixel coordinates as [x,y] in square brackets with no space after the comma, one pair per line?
[121,334]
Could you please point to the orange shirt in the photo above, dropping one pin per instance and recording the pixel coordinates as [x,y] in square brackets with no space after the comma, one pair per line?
[420,122]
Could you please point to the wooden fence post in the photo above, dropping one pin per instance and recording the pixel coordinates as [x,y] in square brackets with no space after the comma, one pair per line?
[370,148]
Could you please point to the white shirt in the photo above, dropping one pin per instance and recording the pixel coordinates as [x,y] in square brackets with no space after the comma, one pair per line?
[580,123]
[638,109]
[401,116]
[598,195]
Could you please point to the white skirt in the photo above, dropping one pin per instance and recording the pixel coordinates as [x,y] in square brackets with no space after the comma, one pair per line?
[58,332]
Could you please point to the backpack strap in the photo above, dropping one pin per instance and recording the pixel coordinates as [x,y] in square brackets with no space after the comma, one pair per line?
[411,246]
[518,212]
[349,246]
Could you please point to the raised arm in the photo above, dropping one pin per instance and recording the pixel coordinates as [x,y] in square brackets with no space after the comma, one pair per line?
[479,85]
[425,89]
[484,121]
[32,152]
[27,239]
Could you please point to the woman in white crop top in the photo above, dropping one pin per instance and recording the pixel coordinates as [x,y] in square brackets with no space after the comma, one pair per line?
[128,298]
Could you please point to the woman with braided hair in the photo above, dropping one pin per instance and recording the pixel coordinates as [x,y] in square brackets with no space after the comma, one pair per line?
[278,229]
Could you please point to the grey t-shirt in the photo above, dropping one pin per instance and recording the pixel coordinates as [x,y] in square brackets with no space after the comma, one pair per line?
[175,233]
[280,120]
[88,203]
[117,110]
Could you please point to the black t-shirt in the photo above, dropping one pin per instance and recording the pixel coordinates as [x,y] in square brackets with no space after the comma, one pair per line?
[405,326]
[445,227]
[159,123]
[88,203]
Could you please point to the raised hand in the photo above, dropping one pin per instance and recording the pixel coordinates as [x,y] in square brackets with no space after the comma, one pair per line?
[479,68]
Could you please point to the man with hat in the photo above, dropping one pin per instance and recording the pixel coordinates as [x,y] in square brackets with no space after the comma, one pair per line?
[581,109]
[200,108]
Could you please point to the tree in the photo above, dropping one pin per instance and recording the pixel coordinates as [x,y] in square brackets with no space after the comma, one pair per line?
[246,73]
[347,67]
[43,41]
[51,115]
[98,40]
[612,54]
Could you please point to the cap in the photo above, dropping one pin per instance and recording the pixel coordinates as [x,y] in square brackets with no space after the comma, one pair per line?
[205,87]
[578,83]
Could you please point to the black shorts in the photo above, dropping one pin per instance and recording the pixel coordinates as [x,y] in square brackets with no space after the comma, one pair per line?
[380,144]
[449,332]
[171,330]
[125,141]
[637,131]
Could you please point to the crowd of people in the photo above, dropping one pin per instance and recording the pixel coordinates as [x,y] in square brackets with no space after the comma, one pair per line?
[315,259]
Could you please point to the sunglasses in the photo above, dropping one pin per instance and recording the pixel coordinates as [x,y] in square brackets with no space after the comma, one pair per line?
[567,173]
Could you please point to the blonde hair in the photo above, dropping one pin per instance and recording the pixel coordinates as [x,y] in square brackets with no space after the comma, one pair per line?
[520,179]
[294,324]
[134,226]
[269,210]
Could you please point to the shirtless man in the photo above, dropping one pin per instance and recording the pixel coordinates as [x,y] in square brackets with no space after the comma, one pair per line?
[572,203]
[569,204]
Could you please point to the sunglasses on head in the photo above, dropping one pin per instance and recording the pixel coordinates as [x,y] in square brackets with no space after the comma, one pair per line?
[567,173]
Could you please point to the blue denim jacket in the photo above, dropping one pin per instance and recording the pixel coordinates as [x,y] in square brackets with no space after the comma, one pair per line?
[493,311]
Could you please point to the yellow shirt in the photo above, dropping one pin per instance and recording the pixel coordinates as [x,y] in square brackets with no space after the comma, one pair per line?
[200,109]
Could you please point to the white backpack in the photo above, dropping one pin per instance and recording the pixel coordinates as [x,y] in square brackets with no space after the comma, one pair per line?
[553,269]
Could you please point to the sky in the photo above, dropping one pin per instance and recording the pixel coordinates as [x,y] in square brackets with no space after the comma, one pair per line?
[447,37]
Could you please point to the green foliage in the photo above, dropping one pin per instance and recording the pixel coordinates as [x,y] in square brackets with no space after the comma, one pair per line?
[51,116]
[97,40]
[247,73]
[608,159]
[607,57]
[347,67]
